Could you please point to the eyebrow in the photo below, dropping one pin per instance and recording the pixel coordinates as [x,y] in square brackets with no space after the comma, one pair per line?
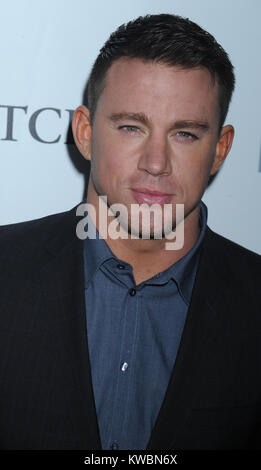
[141,117]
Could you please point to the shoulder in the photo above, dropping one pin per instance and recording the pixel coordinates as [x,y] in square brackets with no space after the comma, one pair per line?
[230,257]
[23,236]
[221,244]
[20,228]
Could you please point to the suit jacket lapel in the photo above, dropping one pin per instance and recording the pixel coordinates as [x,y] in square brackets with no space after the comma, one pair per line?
[62,279]
[200,331]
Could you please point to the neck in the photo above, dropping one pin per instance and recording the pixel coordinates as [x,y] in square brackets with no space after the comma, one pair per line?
[150,257]
[147,257]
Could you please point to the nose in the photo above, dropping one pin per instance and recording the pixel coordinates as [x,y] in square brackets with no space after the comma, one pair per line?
[155,157]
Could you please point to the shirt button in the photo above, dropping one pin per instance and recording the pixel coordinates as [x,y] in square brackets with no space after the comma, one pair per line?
[124,366]
[120,266]
[132,291]
[115,445]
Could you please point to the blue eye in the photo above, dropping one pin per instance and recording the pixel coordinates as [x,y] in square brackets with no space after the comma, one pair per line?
[186,135]
[129,128]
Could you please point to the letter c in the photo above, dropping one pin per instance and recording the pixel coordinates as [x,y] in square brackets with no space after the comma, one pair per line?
[32,125]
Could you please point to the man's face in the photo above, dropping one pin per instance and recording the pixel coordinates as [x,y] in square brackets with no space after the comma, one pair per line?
[155,129]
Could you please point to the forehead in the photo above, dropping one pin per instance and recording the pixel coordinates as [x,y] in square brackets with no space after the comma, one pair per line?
[152,87]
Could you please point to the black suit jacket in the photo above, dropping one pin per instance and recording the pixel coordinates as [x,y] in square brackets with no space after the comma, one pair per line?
[213,399]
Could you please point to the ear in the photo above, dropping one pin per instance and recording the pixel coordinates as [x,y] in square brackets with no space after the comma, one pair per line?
[82,131]
[223,147]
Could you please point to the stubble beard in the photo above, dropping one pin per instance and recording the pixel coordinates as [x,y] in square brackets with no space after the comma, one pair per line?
[146,231]
[152,229]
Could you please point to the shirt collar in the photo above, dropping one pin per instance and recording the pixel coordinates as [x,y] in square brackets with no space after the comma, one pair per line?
[183,272]
[97,252]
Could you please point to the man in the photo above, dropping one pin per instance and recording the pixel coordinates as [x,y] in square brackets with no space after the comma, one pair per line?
[115,342]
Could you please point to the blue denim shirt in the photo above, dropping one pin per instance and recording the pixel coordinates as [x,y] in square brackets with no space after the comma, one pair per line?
[134,334]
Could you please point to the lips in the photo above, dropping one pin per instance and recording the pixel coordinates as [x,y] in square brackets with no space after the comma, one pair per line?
[149,196]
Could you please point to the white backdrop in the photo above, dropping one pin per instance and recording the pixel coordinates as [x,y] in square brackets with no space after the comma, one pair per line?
[47,49]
